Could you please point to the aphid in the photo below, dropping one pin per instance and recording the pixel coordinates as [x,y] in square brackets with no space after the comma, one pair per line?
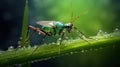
[51,28]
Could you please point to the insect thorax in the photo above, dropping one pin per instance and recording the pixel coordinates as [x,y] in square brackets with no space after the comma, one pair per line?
[58,26]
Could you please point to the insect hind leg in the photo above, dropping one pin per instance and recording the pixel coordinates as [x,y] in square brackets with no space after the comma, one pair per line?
[38,46]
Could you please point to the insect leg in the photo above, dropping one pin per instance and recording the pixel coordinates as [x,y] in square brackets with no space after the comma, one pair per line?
[54,29]
[82,35]
[38,46]
[62,35]
[28,37]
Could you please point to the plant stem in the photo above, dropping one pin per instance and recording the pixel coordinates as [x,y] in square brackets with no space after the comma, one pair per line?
[45,52]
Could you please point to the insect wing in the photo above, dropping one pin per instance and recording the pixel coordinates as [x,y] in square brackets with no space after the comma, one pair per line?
[46,23]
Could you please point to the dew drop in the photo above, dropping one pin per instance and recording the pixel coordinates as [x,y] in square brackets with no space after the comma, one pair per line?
[19,42]
[77,31]
[96,38]
[35,46]
[59,39]
[58,43]
[39,33]
[11,48]
[100,33]
[53,43]
[84,37]
[71,52]
[23,48]
[66,37]
[19,46]
[27,1]
[111,35]
[45,44]
[20,38]
[82,51]
[116,30]
[29,47]
[106,35]
[32,61]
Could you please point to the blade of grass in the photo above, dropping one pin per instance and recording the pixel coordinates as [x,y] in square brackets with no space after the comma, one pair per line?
[24,31]
[24,25]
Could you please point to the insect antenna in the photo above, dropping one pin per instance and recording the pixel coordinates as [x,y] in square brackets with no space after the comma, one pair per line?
[73,20]
[79,16]
[71,12]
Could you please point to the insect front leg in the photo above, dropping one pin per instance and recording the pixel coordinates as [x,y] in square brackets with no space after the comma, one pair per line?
[81,35]
[61,39]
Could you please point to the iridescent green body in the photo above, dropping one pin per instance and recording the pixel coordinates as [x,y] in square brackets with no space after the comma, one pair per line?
[52,27]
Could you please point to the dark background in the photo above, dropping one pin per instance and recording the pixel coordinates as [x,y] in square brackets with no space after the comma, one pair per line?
[11,15]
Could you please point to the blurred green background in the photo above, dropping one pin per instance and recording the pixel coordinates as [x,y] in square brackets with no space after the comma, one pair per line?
[94,15]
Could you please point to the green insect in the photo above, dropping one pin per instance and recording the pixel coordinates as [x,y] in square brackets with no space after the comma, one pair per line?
[51,28]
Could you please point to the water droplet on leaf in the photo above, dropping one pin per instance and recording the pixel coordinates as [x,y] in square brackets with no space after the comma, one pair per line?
[19,42]
[20,38]
[32,61]
[116,30]
[11,48]
[71,52]
[82,51]
[100,33]
[39,33]
[66,37]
